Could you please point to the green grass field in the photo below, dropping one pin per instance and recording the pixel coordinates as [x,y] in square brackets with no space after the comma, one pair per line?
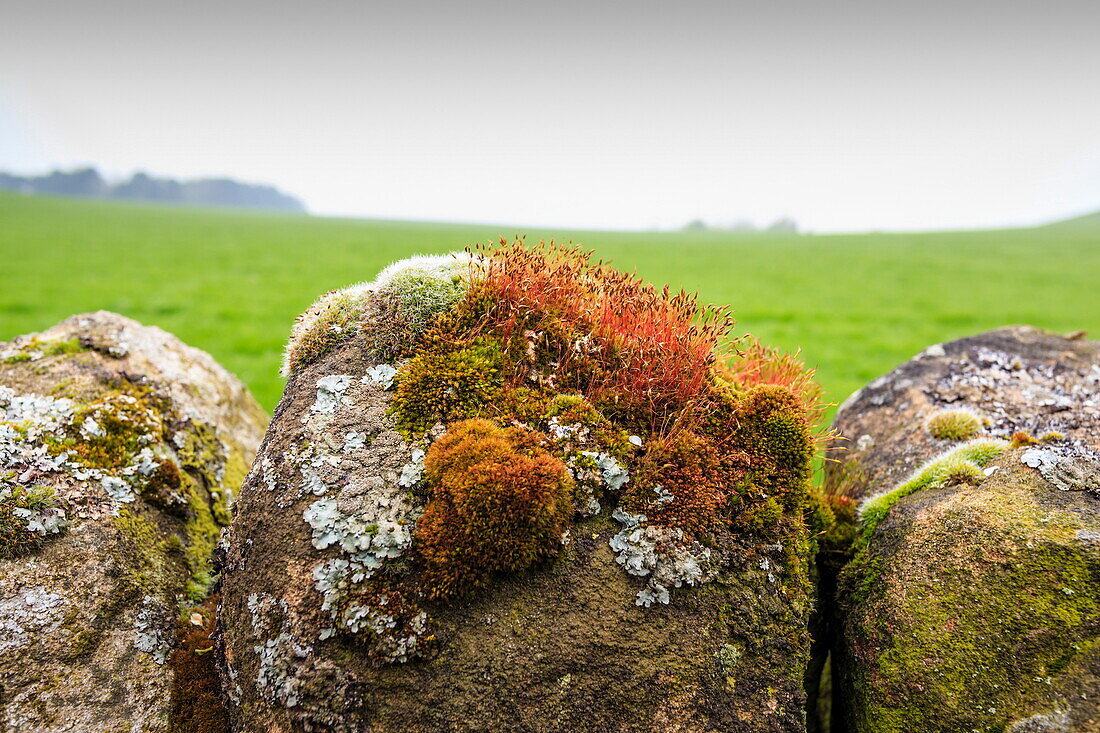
[231,283]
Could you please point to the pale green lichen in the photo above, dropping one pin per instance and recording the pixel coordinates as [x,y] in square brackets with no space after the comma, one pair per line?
[29,515]
[35,348]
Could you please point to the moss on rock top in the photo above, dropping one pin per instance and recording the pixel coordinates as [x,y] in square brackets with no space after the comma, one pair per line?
[494,431]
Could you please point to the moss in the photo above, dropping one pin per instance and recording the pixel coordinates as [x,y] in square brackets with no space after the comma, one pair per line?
[773,431]
[141,552]
[63,388]
[446,384]
[572,409]
[409,303]
[233,474]
[201,531]
[761,519]
[198,448]
[109,431]
[333,319]
[196,698]
[524,404]
[58,348]
[678,483]
[499,504]
[965,461]
[953,425]
[1021,438]
[162,488]
[972,661]
[17,358]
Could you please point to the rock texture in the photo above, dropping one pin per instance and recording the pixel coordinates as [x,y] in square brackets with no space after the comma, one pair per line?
[120,451]
[315,638]
[973,599]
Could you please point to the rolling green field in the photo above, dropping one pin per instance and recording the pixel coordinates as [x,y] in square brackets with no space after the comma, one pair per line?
[231,283]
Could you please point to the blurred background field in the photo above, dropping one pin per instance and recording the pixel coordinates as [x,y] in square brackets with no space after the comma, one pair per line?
[231,282]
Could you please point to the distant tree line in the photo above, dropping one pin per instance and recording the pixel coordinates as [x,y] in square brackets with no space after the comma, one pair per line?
[88,183]
[782,225]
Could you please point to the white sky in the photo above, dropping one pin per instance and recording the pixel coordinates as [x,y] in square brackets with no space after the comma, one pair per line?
[869,115]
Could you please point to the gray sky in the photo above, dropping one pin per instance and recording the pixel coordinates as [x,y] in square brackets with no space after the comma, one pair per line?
[846,116]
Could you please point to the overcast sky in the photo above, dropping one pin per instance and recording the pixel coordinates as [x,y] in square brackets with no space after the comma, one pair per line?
[854,116]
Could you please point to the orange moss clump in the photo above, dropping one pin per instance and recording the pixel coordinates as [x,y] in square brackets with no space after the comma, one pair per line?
[653,349]
[757,364]
[499,503]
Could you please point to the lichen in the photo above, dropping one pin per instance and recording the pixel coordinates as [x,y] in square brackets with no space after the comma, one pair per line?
[394,629]
[34,348]
[151,630]
[665,556]
[380,529]
[1066,465]
[28,517]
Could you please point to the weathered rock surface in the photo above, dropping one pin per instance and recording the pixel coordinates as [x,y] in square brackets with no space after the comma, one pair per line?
[973,602]
[328,515]
[120,451]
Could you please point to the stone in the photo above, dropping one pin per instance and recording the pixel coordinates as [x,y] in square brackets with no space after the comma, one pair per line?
[121,449]
[973,598]
[332,620]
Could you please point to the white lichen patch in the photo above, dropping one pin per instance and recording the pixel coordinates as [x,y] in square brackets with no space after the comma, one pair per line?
[663,555]
[612,473]
[1066,465]
[413,471]
[267,611]
[595,472]
[395,640]
[153,630]
[44,521]
[382,375]
[30,424]
[330,394]
[379,529]
[118,490]
[1016,394]
[278,659]
[28,613]
[316,467]
[353,441]
[279,654]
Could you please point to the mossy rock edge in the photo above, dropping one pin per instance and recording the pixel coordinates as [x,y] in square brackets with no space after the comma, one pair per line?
[973,603]
[121,449]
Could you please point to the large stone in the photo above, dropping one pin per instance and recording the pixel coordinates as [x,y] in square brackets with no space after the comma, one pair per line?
[973,599]
[120,451]
[328,524]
